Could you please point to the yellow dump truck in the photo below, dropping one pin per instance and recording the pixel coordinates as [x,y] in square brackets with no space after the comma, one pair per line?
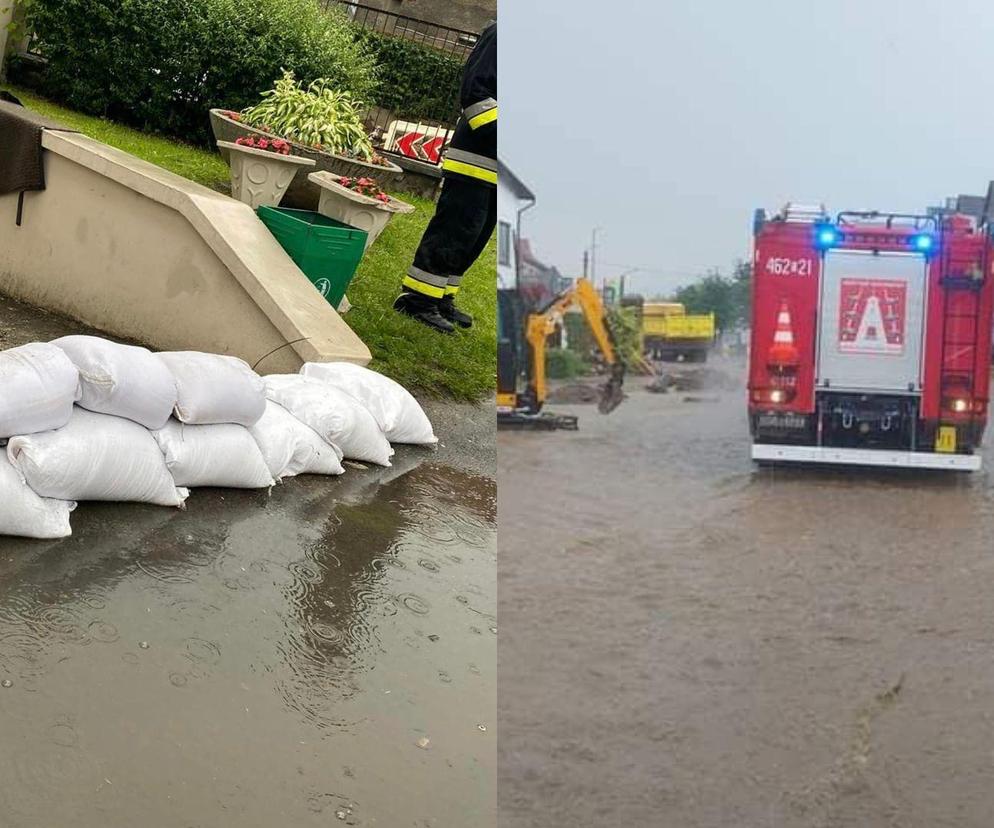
[670,334]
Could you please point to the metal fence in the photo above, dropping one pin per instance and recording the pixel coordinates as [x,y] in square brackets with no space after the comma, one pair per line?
[417,137]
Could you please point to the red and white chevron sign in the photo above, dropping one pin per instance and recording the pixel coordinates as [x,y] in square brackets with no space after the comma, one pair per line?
[420,144]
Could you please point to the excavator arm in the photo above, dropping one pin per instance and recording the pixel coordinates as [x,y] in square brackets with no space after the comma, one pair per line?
[542,325]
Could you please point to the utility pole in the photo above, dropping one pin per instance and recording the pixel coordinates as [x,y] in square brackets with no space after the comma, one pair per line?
[593,256]
[586,262]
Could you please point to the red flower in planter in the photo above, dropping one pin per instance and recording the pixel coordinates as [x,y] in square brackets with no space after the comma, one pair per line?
[277,145]
[364,186]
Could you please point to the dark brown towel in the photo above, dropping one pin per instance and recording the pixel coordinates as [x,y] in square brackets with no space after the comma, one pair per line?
[20,148]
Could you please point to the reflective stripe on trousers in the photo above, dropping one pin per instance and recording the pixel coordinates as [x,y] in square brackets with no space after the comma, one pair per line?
[421,281]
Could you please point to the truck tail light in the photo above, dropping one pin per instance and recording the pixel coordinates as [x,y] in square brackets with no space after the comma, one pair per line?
[963,405]
[777,395]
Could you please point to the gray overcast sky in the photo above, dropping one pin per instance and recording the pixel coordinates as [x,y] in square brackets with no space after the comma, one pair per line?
[666,123]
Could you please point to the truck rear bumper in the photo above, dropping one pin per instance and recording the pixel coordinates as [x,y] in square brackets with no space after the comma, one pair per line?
[865,457]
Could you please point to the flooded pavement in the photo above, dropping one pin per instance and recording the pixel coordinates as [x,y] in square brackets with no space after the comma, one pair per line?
[321,655]
[689,641]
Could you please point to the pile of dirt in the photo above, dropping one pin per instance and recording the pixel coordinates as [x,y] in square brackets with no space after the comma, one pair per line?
[693,379]
[575,393]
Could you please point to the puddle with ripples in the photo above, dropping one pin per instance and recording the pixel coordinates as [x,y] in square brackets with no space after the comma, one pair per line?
[258,660]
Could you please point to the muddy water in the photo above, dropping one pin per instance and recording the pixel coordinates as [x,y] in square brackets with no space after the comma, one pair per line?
[689,641]
[325,655]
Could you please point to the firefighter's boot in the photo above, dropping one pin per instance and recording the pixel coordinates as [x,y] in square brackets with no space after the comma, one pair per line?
[447,308]
[423,309]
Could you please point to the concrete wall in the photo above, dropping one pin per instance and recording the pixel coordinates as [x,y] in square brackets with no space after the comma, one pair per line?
[133,250]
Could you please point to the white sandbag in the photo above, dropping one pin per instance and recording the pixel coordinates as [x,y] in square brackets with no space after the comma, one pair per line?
[38,386]
[123,380]
[336,416]
[96,457]
[213,388]
[25,514]
[290,448]
[399,415]
[223,455]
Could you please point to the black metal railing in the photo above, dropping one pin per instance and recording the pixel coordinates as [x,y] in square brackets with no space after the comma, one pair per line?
[416,105]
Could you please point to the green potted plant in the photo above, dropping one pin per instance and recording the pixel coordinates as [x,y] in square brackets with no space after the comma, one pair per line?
[320,123]
[357,202]
[261,169]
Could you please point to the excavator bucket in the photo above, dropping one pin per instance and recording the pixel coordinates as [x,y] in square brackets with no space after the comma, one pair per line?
[612,394]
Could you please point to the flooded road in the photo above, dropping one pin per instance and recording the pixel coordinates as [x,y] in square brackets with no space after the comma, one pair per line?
[689,641]
[325,655]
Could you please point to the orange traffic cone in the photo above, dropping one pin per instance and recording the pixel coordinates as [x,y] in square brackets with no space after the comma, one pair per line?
[783,352]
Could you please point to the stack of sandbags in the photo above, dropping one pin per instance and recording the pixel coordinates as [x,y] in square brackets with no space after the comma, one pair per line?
[85,418]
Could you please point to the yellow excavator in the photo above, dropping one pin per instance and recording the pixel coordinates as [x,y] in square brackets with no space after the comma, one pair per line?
[522,338]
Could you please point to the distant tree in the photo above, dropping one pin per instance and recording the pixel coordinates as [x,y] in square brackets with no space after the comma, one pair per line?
[727,297]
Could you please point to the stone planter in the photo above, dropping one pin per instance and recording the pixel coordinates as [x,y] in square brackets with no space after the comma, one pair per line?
[354,209]
[258,177]
[302,194]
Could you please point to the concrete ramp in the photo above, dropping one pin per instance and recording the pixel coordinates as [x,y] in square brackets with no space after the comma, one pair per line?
[140,253]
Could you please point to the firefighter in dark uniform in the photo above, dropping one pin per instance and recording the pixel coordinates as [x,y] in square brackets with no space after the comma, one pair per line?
[466,213]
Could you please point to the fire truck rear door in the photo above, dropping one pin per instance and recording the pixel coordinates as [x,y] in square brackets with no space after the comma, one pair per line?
[871,318]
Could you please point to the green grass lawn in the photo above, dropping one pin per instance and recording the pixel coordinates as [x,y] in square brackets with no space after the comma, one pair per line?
[462,366]
[186,160]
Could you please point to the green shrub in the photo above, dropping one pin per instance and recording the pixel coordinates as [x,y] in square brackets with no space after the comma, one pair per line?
[564,364]
[623,324]
[418,83]
[161,64]
[317,116]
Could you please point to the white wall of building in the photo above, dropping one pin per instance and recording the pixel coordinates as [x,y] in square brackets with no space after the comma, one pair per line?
[508,205]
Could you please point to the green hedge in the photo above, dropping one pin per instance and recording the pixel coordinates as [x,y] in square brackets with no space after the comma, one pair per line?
[160,65]
[416,82]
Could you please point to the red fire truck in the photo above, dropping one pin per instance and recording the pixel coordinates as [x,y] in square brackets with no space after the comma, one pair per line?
[871,337]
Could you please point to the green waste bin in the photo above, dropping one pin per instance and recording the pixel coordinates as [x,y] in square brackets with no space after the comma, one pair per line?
[327,251]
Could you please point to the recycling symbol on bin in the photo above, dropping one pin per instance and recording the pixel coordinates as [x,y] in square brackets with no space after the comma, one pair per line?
[323,285]
[872,315]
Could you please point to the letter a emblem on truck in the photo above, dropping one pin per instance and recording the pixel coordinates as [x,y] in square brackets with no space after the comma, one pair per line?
[872,316]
